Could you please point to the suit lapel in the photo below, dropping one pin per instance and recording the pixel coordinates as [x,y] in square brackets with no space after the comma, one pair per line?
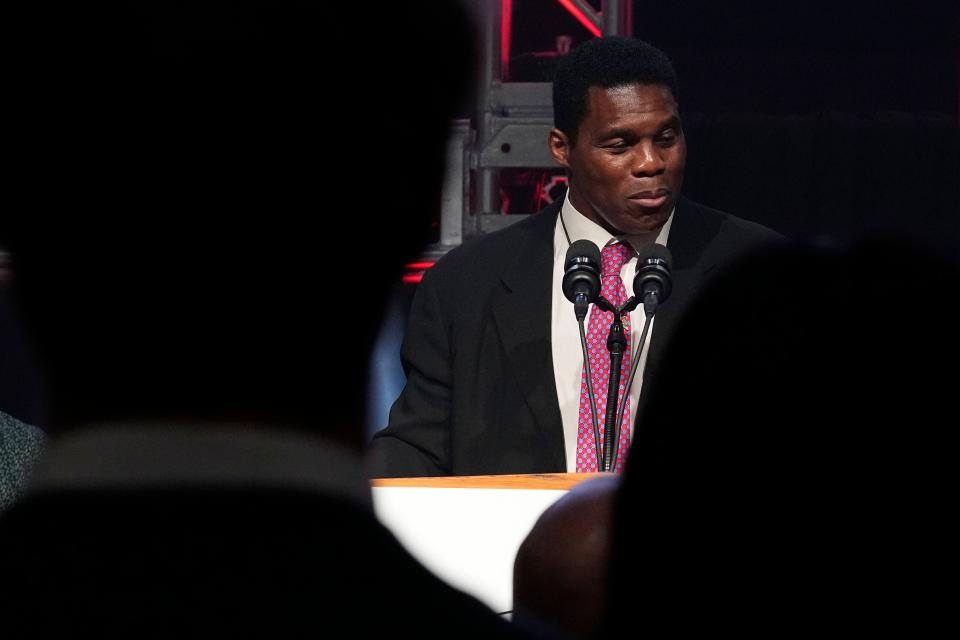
[523,317]
[523,313]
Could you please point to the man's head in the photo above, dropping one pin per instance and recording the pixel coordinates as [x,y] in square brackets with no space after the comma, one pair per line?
[560,572]
[184,251]
[618,133]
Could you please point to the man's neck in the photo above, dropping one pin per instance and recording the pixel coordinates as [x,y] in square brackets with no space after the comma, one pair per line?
[580,226]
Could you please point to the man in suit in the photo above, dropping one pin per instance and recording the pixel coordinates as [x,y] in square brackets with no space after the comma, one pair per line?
[184,305]
[492,353]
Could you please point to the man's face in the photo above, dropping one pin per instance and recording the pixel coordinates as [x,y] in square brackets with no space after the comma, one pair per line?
[626,167]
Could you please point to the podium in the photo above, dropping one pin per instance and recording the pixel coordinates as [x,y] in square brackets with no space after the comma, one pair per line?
[467,529]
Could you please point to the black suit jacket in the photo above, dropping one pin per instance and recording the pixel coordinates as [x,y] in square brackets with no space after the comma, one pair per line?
[481,396]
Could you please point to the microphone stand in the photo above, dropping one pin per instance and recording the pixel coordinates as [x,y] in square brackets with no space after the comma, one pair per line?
[650,302]
[593,402]
[616,345]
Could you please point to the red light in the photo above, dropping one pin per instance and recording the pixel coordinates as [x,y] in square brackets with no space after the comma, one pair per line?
[415,271]
[506,18]
[581,16]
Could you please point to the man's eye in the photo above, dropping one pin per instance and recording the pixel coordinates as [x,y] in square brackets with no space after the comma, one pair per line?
[667,139]
[618,147]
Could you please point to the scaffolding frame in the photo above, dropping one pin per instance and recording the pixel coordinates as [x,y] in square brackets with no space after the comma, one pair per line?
[510,125]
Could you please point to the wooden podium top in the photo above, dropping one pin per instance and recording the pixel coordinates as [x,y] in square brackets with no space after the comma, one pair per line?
[524,481]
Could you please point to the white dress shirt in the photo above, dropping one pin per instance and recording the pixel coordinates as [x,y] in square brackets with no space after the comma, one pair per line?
[565,334]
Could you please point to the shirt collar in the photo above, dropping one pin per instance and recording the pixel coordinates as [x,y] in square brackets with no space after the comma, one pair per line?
[582,228]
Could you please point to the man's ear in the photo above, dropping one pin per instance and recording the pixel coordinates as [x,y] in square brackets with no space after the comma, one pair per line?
[559,147]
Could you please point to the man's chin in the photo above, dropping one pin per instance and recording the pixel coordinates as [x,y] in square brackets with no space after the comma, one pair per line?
[647,222]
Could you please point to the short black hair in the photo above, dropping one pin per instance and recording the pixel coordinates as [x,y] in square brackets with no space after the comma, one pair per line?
[607,62]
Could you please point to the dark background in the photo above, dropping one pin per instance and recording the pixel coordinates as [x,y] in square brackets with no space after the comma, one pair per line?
[828,121]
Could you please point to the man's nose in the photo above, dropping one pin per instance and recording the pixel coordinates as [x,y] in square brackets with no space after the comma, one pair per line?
[648,160]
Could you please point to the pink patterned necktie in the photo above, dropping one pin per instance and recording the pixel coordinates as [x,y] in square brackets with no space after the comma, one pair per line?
[613,257]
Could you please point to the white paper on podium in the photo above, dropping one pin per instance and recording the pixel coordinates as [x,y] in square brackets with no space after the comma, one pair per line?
[467,537]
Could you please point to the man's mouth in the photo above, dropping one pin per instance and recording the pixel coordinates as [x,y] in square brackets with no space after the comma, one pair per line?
[651,198]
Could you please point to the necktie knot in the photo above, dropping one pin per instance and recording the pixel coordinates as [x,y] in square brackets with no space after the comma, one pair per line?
[613,257]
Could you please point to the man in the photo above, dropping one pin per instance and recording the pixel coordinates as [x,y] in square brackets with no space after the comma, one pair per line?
[183,302]
[492,353]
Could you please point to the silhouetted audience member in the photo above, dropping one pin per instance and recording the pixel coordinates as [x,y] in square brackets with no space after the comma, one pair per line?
[560,573]
[223,193]
[797,470]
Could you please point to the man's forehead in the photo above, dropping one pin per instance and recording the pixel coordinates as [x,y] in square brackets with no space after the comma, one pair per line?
[632,93]
[607,106]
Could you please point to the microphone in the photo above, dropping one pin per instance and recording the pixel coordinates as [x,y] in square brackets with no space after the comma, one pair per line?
[581,276]
[653,283]
[581,286]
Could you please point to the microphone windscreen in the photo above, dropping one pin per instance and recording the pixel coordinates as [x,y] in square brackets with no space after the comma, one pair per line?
[655,253]
[585,249]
